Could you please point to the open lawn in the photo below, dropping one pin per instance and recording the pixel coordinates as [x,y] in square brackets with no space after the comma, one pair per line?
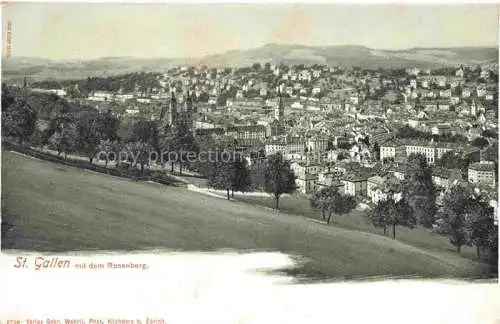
[358,220]
[50,207]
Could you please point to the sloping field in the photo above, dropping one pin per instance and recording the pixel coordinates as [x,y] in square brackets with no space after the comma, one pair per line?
[49,207]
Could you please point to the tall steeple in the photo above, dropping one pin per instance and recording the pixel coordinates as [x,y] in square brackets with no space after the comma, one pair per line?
[188,113]
[194,100]
[164,109]
[473,110]
[189,102]
[172,117]
[279,112]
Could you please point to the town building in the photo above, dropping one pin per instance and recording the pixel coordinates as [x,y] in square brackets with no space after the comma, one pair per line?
[307,176]
[374,189]
[354,185]
[445,178]
[482,173]
[247,135]
[432,151]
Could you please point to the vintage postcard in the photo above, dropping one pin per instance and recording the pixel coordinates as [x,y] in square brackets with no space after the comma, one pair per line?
[249,163]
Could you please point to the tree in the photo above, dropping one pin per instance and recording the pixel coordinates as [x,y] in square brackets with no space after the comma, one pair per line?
[89,135]
[480,224]
[257,176]
[388,160]
[419,189]
[331,200]
[142,141]
[320,199]
[242,180]
[403,216]
[340,204]
[491,152]
[19,120]
[454,160]
[490,133]
[165,145]
[139,153]
[449,160]
[40,137]
[366,140]
[493,247]
[203,97]
[342,156]
[380,214]
[232,174]
[256,67]
[8,98]
[376,151]
[329,144]
[222,98]
[344,145]
[466,218]
[182,143]
[480,142]
[391,213]
[109,126]
[145,131]
[94,127]
[279,177]
[222,176]
[454,225]
[107,147]
[65,139]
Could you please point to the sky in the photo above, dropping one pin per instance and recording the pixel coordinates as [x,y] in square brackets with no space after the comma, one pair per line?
[87,31]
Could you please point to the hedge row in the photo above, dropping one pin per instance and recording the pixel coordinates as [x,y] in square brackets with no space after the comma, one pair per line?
[124,171]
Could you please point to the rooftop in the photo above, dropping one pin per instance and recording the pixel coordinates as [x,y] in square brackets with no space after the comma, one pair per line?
[482,166]
[258,128]
[355,177]
[378,180]
[446,173]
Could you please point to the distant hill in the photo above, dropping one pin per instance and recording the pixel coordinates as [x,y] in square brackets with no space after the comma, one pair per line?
[39,69]
[356,56]
[349,55]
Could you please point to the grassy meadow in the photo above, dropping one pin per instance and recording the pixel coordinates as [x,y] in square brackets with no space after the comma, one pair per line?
[50,207]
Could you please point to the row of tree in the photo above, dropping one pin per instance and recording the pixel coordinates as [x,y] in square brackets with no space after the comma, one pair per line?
[68,128]
[467,219]
[408,132]
[464,215]
[126,83]
[235,175]
[409,202]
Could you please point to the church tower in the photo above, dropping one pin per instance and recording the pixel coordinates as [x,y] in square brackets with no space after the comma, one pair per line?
[279,111]
[194,109]
[189,106]
[189,111]
[473,110]
[172,116]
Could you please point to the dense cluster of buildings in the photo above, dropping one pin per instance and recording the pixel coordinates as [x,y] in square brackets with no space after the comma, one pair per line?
[336,126]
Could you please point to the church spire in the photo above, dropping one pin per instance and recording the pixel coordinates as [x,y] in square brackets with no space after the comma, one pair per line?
[473,110]
[172,117]
[279,111]
[189,101]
